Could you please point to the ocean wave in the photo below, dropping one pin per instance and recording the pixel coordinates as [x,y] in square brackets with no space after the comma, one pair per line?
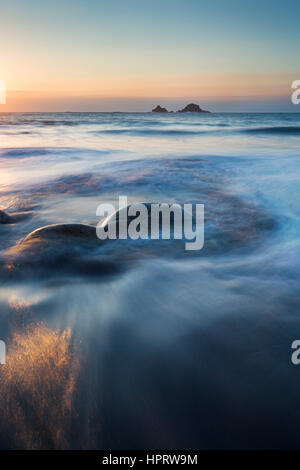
[291,130]
[38,122]
[150,132]
[23,152]
[29,152]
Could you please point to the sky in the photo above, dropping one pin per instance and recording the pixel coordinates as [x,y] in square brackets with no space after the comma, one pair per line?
[130,55]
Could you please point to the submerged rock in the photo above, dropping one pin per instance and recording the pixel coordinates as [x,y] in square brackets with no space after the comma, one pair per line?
[13,218]
[159,109]
[5,218]
[122,213]
[230,224]
[144,212]
[192,108]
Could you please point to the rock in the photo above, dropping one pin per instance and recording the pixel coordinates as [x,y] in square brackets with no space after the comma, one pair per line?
[159,109]
[13,217]
[144,217]
[122,214]
[59,231]
[4,218]
[124,247]
[56,250]
[192,108]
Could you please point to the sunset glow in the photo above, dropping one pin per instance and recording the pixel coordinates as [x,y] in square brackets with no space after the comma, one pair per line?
[156,52]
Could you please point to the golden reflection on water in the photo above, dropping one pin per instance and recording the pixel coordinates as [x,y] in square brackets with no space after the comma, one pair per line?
[19,304]
[37,387]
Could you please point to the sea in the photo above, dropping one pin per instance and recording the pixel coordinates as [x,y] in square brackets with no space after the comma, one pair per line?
[142,344]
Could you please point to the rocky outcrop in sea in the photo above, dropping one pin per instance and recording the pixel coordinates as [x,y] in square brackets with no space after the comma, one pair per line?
[189,108]
[159,109]
[192,108]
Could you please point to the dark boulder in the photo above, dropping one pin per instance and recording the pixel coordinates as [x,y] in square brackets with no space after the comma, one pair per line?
[62,232]
[56,250]
[13,217]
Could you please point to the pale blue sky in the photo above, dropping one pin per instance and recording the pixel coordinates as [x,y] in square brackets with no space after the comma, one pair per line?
[141,50]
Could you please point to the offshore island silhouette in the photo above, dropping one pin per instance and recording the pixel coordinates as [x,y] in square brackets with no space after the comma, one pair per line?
[189,108]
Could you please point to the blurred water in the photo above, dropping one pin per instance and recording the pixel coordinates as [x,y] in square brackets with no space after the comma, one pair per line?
[172,350]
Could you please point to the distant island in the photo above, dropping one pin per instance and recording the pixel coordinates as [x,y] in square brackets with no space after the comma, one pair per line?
[190,108]
[159,109]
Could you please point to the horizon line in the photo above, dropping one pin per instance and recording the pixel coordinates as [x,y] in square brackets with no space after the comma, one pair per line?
[148,112]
